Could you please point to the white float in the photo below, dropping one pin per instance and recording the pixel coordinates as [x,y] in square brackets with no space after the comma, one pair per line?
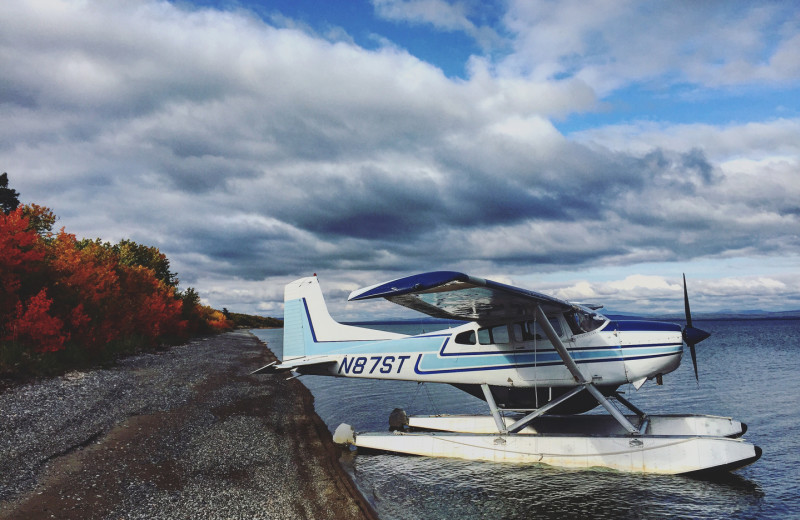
[663,454]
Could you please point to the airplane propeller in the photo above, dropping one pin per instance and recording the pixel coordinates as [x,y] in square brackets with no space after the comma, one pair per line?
[691,335]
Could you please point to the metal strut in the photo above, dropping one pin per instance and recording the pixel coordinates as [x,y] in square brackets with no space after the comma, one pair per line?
[498,420]
[520,424]
[644,419]
[576,373]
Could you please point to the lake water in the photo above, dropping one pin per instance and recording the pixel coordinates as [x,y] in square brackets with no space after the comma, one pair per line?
[748,371]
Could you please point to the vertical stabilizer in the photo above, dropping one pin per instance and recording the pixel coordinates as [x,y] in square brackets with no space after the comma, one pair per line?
[308,328]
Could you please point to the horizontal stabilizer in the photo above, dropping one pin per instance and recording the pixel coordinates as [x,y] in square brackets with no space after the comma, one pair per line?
[266,369]
[295,364]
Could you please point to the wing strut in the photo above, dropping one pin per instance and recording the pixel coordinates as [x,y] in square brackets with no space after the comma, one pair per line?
[576,373]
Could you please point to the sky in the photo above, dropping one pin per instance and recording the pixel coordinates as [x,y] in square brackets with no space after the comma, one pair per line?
[593,150]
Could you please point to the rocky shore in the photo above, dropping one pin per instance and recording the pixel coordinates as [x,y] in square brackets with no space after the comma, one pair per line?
[184,433]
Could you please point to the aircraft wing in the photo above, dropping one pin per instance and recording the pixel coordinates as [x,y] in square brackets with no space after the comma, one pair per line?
[452,295]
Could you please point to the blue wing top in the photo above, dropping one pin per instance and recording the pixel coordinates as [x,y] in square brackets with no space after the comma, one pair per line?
[452,295]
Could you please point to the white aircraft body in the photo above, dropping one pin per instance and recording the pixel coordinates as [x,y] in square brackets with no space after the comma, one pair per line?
[529,356]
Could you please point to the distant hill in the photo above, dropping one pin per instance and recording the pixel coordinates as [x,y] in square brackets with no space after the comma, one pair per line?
[249,321]
[720,315]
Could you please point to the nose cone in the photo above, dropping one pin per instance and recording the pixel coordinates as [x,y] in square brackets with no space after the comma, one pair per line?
[693,336]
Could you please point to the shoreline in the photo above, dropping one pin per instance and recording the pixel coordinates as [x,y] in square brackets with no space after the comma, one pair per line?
[332,451]
[182,433]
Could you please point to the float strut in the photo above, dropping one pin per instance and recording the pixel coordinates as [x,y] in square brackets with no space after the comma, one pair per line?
[644,419]
[487,393]
[629,405]
[517,426]
[612,409]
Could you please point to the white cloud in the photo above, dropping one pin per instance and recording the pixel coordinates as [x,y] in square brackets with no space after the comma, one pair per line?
[654,294]
[443,15]
[754,140]
[611,44]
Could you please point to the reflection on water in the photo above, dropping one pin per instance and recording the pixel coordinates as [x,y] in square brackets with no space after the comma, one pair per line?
[463,489]
[747,371]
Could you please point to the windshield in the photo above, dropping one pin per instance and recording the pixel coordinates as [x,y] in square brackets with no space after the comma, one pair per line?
[582,320]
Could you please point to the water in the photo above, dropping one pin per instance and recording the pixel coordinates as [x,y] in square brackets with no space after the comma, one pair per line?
[748,370]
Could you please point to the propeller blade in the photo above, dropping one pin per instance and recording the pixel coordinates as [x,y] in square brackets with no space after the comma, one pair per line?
[694,361]
[691,335]
[686,303]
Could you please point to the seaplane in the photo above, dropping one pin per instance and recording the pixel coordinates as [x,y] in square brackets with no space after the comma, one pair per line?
[537,361]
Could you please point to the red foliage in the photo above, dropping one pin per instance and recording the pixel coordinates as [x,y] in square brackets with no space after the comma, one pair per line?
[21,252]
[89,272]
[32,324]
[150,309]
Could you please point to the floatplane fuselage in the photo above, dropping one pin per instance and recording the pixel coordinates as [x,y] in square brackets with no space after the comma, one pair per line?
[517,350]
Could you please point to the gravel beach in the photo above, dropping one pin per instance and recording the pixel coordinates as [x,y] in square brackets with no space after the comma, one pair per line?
[183,433]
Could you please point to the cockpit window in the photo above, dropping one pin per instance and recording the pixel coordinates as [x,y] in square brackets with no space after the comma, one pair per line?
[466,338]
[583,320]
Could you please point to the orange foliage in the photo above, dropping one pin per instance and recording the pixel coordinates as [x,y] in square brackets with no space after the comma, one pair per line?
[151,309]
[55,290]
[218,321]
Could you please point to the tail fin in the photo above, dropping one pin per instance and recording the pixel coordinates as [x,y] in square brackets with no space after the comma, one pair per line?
[309,330]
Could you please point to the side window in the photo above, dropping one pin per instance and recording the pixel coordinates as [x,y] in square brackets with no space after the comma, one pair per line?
[517,332]
[500,334]
[493,335]
[535,330]
[466,338]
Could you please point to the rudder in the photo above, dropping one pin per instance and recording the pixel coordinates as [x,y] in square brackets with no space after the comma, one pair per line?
[307,325]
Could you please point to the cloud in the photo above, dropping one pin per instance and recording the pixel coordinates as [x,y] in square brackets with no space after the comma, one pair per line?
[656,294]
[252,153]
[443,15]
[612,44]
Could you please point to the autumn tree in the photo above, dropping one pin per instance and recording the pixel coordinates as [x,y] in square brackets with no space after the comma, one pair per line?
[85,285]
[21,254]
[64,298]
[34,324]
[133,254]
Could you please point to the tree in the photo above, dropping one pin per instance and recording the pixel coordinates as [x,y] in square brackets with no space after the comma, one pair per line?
[21,254]
[33,324]
[133,255]
[9,199]
[40,219]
